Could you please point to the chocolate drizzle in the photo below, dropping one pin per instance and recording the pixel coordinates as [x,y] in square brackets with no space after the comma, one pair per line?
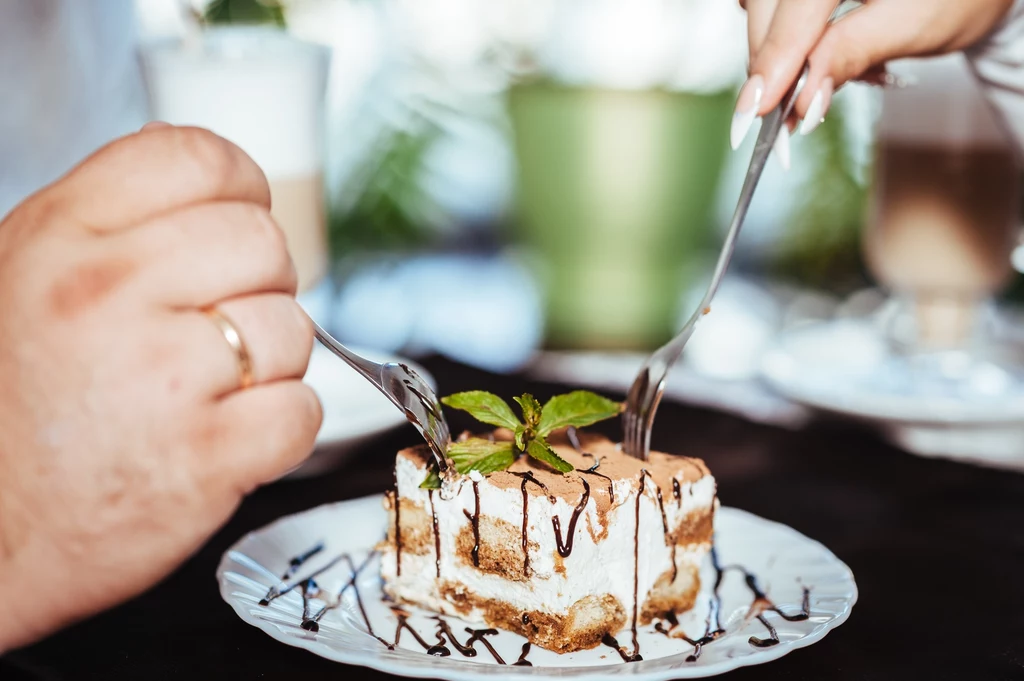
[298,561]
[626,656]
[763,604]
[712,632]
[677,492]
[636,566]
[478,635]
[443,628]
[669,540]
[773,636]
[528,477]
[564,546]
[475,520]
[310,590]
[437,535]
[593,471]
[445,633]
[575,441]
[402,616]
[398,528]
[526,525]
[760,605]
[359,599]
[275,592]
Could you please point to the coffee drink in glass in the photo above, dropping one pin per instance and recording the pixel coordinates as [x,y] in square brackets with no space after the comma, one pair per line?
[264,91]
[945,205]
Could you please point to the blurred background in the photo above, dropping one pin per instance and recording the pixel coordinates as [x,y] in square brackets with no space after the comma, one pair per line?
[542,186]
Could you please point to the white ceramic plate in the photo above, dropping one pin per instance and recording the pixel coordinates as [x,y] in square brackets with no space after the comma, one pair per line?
[354,411]
[844,367]
[783,560]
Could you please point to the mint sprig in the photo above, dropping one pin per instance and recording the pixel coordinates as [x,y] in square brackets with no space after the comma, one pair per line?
[579,408]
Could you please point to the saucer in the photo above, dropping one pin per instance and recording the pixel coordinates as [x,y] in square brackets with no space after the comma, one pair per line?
[948,405]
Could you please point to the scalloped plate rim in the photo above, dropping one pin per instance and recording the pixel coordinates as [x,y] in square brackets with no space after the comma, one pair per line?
[370,656]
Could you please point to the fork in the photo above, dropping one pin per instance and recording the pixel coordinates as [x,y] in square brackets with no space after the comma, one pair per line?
[646,391]
[406,390]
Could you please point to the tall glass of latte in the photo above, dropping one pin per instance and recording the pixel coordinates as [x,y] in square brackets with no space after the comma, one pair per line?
[264,91]
[945,206]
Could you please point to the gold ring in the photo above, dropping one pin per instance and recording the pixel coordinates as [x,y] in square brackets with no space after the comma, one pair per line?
[234,340]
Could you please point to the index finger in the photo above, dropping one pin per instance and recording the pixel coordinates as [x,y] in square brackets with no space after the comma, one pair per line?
[759,20]
[795,29]
[156,170]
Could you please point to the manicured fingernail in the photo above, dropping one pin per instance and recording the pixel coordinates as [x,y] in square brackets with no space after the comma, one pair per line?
[782,147]
[815,115]
[155,125]
[747,105]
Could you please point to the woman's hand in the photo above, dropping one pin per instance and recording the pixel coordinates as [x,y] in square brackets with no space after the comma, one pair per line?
[125,439]
[783,34]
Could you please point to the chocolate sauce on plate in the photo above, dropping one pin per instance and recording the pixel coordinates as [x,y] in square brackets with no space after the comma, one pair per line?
[626,656]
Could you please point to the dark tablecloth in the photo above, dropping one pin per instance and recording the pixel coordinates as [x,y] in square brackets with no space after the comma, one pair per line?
[937,549]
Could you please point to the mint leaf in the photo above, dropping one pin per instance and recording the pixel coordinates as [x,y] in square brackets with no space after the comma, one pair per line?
[578,408]
[433,480]
[521,438]
[484,406]
[539,449]
[531,410]
[476,454]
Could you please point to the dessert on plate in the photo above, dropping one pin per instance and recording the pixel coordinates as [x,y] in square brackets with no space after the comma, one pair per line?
[557,536]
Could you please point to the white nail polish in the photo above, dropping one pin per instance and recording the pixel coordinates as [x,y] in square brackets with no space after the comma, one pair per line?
[818,107]
[743,118]
[782,148]
[814,116]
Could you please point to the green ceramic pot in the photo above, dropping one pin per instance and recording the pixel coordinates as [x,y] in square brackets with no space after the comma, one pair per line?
[615,191]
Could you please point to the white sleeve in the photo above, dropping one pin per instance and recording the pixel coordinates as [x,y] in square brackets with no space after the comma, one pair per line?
[998,62]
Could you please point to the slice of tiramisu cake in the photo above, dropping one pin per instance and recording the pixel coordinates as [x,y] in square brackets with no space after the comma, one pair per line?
[559,537]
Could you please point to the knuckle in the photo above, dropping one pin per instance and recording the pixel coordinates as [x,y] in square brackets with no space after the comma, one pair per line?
[311,411]
[273,246]
[212,156]
[304,327]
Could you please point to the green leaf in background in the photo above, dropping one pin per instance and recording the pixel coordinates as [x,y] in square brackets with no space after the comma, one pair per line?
[483,456]
[820,247]
[484,406]
[386,205]
[245,12]
[539,450]
[531,410]
[578,408]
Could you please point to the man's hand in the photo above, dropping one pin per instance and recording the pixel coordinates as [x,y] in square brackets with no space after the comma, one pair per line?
[125,440]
